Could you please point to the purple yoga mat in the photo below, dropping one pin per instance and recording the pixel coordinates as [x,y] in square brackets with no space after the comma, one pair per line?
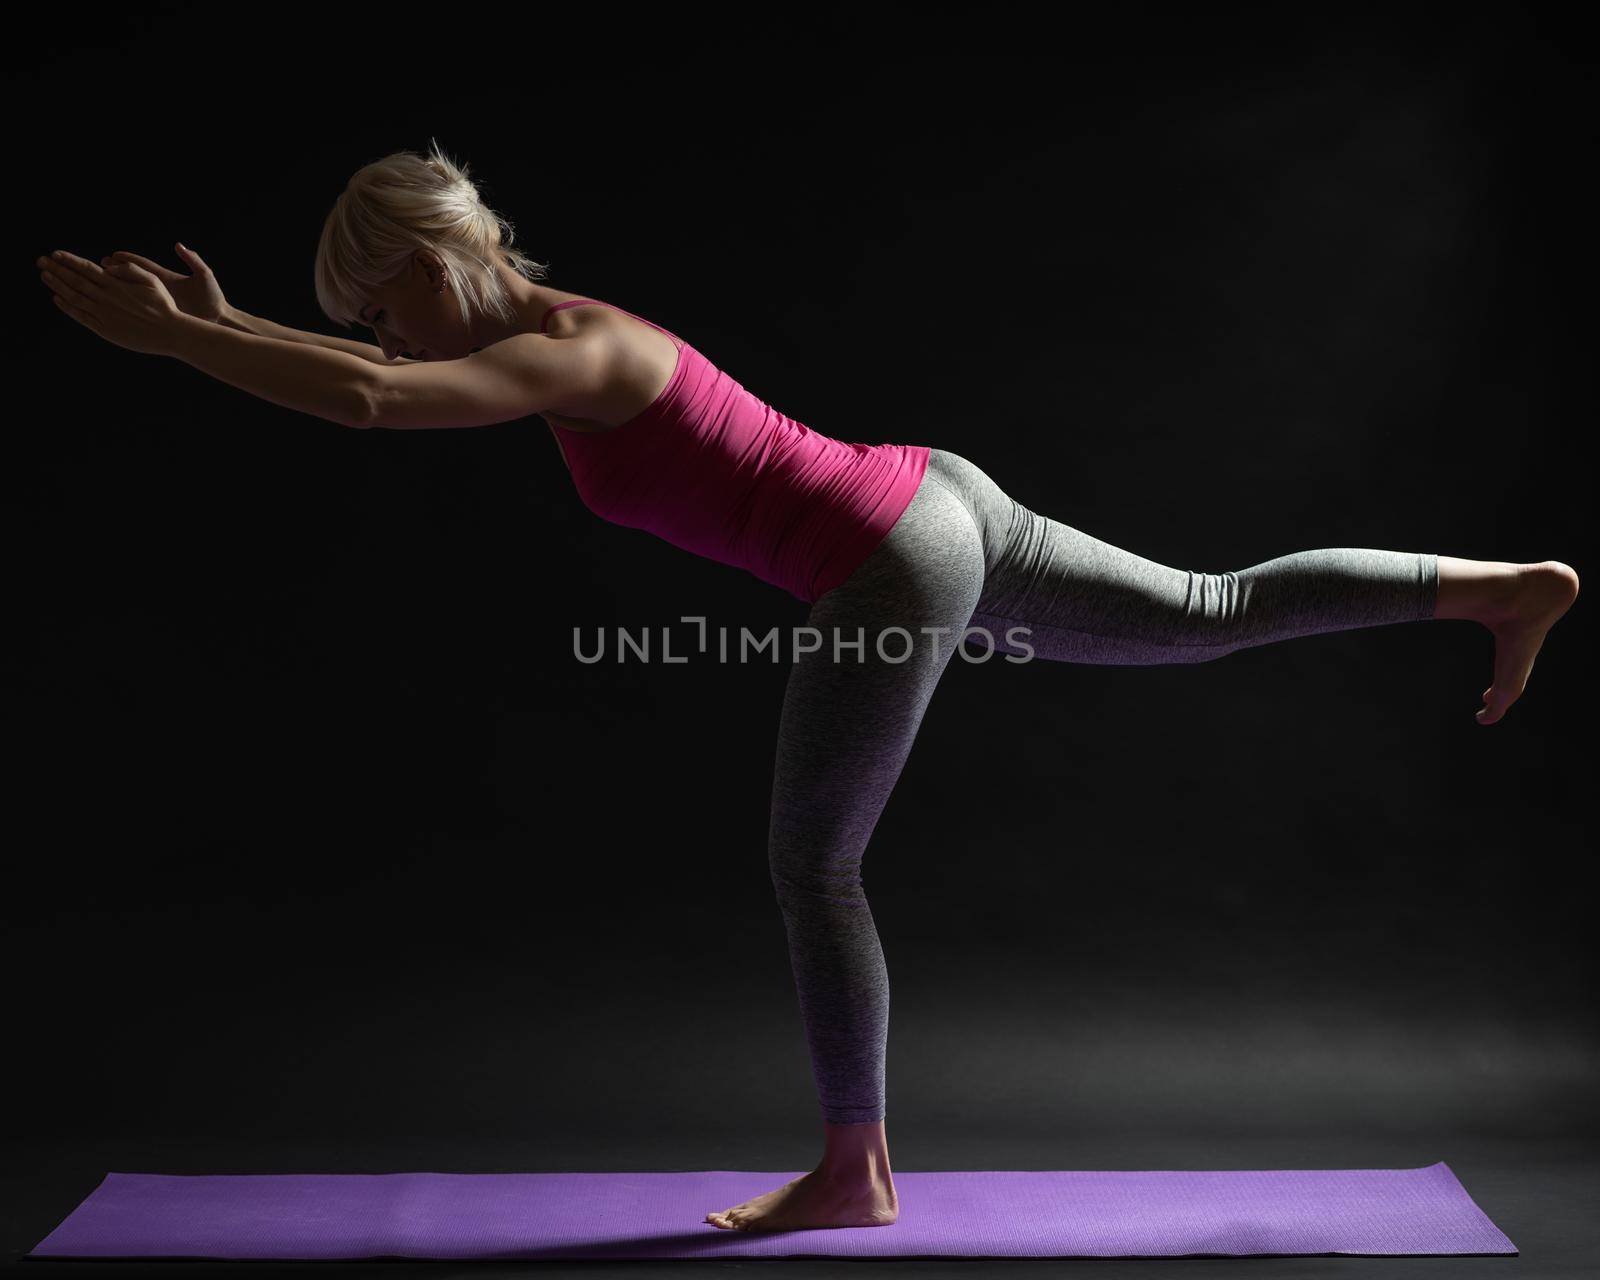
[1011,1214]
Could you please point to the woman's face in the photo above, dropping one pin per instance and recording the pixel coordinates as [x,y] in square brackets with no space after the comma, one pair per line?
[412,316]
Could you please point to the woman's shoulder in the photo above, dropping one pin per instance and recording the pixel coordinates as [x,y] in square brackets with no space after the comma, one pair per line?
[641,355]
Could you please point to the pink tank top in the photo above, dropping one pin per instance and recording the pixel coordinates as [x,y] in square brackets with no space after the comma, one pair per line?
[714,470]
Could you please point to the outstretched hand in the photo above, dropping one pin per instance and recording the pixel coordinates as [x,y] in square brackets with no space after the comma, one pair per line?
[198,294]
[123,303]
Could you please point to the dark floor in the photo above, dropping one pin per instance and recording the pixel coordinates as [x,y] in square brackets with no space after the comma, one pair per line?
[1544,1193]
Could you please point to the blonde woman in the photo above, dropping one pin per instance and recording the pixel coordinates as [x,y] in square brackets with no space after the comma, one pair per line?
[901,550]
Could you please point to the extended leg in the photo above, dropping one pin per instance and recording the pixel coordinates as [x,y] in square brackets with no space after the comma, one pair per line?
[1065,595]
[1076,598]
[1072,597]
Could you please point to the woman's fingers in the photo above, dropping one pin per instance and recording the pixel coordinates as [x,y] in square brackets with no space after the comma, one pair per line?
[92,270]
[193,258]
[155,268]
[69,285]
[81,279]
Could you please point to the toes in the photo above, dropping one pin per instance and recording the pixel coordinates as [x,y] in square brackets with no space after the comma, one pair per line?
[1494,712]
[1493,709]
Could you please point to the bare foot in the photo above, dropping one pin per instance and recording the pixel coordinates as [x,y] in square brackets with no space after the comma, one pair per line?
[815,1200]
[1543,592]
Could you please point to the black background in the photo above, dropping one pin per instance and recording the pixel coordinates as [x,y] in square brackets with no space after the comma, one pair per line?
[327,854]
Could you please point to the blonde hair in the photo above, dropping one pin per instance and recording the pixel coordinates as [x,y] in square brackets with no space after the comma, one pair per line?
[405,202]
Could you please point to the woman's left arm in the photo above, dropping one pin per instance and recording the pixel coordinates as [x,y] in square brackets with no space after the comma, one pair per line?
[297,375]
[130,307]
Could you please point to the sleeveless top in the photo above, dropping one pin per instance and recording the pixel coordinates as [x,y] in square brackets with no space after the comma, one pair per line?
[713,469]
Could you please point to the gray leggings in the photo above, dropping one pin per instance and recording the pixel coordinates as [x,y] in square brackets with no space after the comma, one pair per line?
[965,555]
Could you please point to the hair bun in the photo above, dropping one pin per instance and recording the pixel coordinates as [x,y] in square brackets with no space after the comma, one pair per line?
[404,202]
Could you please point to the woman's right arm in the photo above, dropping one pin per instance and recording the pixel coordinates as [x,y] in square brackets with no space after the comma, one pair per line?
[199,295]
[234,318]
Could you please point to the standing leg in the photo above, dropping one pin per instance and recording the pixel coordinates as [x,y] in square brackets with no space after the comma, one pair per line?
[847,727]
[850,716]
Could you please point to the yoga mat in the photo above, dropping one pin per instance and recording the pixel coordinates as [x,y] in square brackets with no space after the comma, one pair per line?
[1010,1214]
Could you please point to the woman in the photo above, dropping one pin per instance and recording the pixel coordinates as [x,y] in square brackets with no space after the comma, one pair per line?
[899,549]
